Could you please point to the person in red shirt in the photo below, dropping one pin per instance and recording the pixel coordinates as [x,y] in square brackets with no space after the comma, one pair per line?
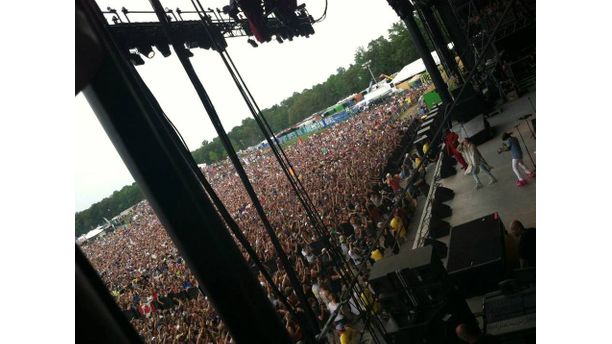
[393,182]
[451,141]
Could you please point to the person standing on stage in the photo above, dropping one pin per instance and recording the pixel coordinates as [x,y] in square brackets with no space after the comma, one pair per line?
[512,144]
[475,163]
[451,141]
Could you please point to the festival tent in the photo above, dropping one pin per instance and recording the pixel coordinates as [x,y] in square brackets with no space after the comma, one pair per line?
[382,89]
[414,68]
[93,233]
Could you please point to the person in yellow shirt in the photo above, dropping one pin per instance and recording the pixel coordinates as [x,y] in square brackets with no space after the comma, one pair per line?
[376,255]
[347,335]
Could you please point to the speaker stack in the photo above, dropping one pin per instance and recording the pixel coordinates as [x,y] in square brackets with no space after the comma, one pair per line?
[415,290]
[437,226]
[476,255]
[448,166]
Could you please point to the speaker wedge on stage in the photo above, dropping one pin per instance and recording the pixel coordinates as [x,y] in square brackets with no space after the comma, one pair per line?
[438,228]
[443,194]
[440,210]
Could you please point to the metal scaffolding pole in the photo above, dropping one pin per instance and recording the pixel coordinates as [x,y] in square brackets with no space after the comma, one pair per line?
[405,11]
[167,179]
[437,38]
[457,35]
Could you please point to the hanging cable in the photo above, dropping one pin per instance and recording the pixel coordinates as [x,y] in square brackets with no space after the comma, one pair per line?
[324,15]
[210,191]
[311,320]
[344,269]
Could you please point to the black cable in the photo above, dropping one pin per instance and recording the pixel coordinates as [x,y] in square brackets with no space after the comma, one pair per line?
[206,102]
[324,15]
[256,112]
[232,225]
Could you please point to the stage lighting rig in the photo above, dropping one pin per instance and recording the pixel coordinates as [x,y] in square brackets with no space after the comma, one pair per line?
[164,49]
[136,59]
[146,50]
[260,20]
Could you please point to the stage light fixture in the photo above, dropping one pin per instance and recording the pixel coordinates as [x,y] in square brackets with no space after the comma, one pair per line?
[136,59]
[164,49]
[189,53]
[146,50]
[279,39]
[252,43]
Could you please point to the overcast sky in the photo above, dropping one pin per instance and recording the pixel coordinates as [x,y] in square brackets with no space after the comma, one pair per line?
[272,71]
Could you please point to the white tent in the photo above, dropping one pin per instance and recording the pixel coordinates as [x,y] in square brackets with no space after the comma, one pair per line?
[381,91]
[92,233]
[414,68]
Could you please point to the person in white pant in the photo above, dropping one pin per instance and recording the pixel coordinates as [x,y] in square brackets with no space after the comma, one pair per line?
[475,162]
[512,144]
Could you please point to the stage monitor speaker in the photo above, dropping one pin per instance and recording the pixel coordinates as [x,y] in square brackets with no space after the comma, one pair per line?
[440,210]
[440,248]
[438,228]
[448,171]
[476,255]
[443,194]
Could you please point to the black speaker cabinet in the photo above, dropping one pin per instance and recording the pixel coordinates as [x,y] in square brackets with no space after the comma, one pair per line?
[443,194]
[409,282]
[440,210]
[440,248]
[476,255]
[447,171]
[438,228]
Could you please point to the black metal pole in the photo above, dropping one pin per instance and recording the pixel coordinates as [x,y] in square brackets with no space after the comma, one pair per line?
[176,195]
[457,35]
[437,38]
[311,319]
[405,10]
[98,318]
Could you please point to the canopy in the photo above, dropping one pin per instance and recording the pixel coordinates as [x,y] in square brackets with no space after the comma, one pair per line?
[414,68]
[92,233]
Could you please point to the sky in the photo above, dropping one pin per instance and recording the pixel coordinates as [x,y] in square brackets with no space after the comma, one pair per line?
[272,72]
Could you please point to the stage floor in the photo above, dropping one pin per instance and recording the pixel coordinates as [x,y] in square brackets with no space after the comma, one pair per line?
[503,197]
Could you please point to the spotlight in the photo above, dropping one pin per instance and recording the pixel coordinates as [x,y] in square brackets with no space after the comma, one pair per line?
[136,59]
[279,39]
[252,43]
[146,50]
[164,49]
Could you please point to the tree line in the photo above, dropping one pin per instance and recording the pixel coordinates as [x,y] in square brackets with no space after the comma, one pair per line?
[387,56]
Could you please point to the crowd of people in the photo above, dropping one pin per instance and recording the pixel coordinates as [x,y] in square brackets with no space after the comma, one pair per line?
[341,167]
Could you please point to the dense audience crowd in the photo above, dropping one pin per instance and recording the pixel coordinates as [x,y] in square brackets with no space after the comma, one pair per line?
[342,169]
